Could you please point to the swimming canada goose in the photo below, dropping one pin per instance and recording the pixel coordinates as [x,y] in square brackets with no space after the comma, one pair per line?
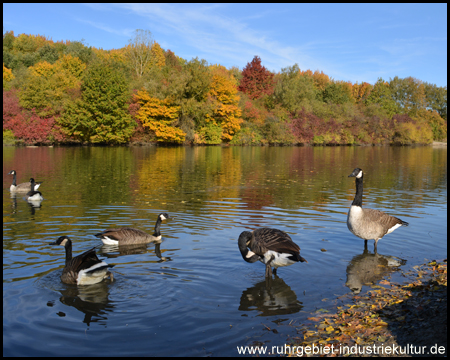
[127,236]
[84,269]
[272,247]
[34,195]
[24,187]
[368,223]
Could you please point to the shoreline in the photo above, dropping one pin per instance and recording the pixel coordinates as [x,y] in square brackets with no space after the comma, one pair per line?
[397,320]
[435,144]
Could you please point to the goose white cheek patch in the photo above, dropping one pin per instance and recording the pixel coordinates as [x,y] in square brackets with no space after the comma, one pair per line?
[249,254]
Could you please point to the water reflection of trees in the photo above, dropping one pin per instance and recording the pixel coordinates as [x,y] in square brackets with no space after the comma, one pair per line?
[270,297]
[368,268]
[173,178]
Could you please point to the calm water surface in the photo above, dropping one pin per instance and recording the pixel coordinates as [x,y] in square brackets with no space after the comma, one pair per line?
[193,294]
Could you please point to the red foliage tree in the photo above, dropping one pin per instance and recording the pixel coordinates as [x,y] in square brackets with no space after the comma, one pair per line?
[305,126]
[256,80]
[26,125]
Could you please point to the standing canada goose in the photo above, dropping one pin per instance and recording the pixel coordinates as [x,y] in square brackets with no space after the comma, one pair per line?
[34,195]
[368,223]
[127,236]
[84,269]
[24,187]
[272,247]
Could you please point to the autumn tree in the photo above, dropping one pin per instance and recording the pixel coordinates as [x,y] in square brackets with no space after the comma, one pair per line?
[408,93]
[48,53]
[157,56]
[256,79]
[224,100]
[101,114]
[293,90]
[47,86]
[360,92]
[321,80]
[159,117]
[7,77]
[139,51]
[381,95]
[27,126]
[436,98]
[337,93]
[80,50]
[194,104]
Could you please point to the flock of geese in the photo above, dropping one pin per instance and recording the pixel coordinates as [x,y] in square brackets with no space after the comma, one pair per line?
[272,247]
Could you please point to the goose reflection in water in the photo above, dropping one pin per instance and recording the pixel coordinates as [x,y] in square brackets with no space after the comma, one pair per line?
[91,300]
[13,202]
[34,204]
[270,297]
[113,251]
[368,268]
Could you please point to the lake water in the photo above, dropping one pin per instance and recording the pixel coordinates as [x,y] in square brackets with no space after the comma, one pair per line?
[193,294]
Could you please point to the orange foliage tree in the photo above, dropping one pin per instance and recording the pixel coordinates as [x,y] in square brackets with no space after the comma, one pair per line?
[360,92]
[321,80]
[159,117]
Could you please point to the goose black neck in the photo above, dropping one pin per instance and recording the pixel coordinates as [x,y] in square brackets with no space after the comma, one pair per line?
[242,243]
[357,201]
[32,183]
[157,226]
[14,179]
[68,248]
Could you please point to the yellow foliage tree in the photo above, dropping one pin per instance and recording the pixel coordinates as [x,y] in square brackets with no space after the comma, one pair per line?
[321,80]
[28,43]
[71,65]
[223,95]
[47,89]
[7,75]
[158,59]
[159,116]
[118,55]
[43,69]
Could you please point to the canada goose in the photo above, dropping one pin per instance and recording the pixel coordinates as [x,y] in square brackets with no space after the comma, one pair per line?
[84,269]
[272,247]
[34,195]
[368,223]
[127,236]
[24,187]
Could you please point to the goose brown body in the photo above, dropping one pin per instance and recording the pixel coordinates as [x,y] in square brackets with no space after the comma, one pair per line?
[369,224]
[128,236]
[23,187]
[84,269]
[272,247]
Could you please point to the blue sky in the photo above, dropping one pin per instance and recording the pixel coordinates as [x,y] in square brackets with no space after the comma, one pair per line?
[347,42]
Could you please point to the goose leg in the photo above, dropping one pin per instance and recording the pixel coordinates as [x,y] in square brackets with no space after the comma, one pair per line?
[269,267]
[375,246]
[268,270]
[274,271]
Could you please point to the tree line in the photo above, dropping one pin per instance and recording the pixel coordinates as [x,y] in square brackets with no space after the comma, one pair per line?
[69,92]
